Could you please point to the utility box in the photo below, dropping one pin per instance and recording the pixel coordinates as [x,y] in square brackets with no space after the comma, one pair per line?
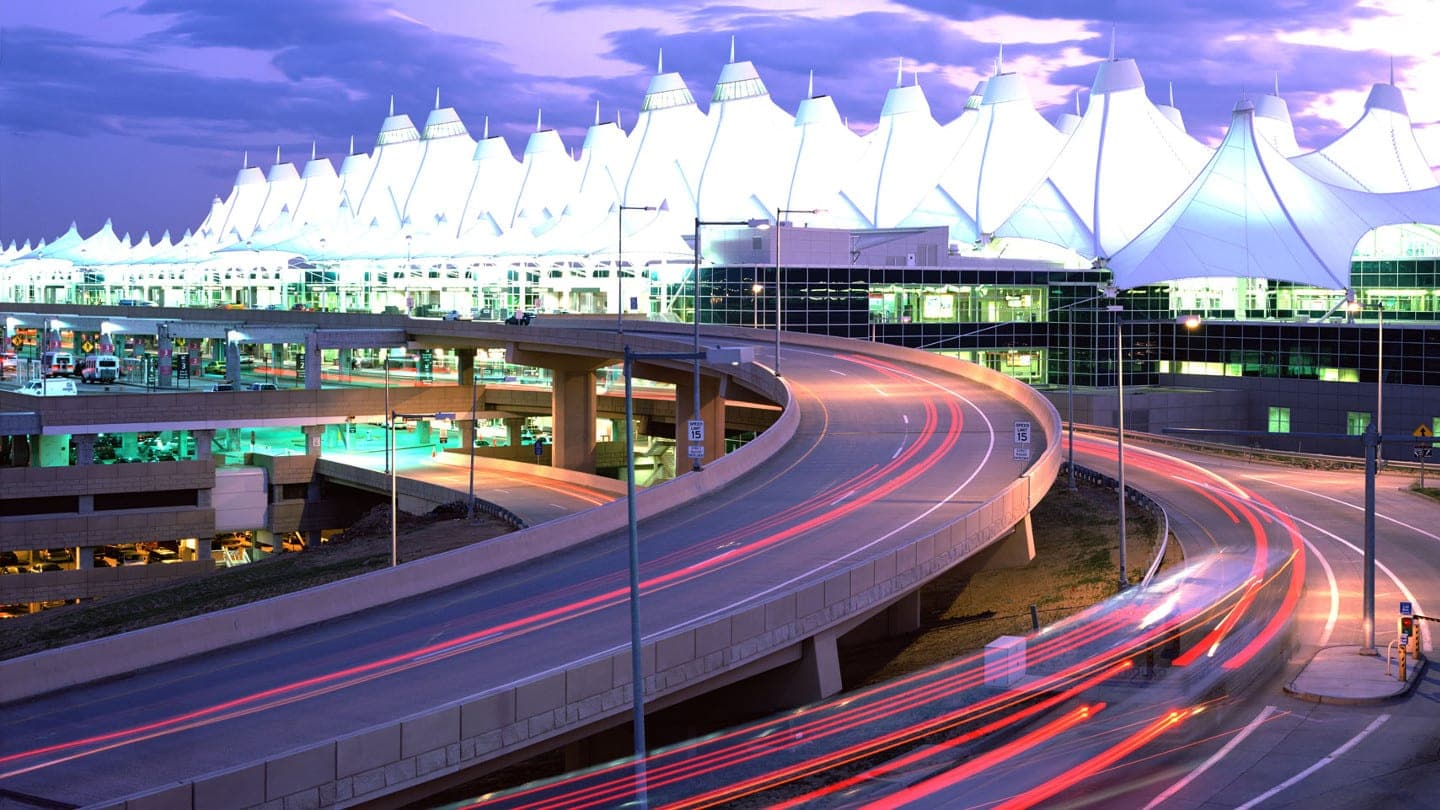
[1005,661]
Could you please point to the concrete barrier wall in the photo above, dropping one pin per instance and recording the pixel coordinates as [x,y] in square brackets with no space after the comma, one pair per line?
[96,582]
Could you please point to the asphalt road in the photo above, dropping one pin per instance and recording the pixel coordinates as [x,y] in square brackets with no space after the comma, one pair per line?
[1269,749]
[883,454]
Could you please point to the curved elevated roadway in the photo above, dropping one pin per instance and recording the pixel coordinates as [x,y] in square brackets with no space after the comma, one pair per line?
[887,467]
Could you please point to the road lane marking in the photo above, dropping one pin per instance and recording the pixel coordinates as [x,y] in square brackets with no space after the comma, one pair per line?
[1426,639]
[906,417]
[880,391]
[843,497]
[1331,757]
[1216,757]
[841,373]
[898,451]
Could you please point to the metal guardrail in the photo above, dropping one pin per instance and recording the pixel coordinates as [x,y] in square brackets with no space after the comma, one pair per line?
[1137,497]
[1308,461]
[499,512]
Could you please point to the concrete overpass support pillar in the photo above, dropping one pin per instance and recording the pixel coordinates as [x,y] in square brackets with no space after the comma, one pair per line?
[815,676]
[574,408]
[54,451]
[312,361]
[347,363]
[232,363]
[712,412]
[267,537]
[903,616]
[164,351]
[84,449]
[314,437]
[85,557]
[203,450]
[514,425]
[1012,550]
[465,366]
[20,451]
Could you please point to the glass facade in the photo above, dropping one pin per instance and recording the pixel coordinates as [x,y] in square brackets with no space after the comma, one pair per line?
[1031,324]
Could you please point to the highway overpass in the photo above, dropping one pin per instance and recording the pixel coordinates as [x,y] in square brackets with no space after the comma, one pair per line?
[886,467]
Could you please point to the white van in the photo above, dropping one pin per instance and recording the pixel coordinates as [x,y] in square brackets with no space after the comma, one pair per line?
[58,364]
[50,387]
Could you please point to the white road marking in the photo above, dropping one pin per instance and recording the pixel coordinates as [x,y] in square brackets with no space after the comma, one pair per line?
[459,648]
[1331,757]
[557,506]
[880,391]
[841,373]
[898,451]
[906,417]
[843,497]
[1427,643]
[1216,757]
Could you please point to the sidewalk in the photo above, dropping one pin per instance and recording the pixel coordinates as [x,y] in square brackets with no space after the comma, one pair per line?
[1341,675]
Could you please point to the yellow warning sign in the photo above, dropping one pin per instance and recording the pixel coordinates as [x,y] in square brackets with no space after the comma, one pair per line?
[1422,432]
[87,346]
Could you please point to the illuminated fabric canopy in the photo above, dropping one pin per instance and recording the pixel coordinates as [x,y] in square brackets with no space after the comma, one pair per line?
[1252,213]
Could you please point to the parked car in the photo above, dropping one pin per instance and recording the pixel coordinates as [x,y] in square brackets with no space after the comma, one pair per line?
[132,557]
[220,387]
[163,555]
[259,386]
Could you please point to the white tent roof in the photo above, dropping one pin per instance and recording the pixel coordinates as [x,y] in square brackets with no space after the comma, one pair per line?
[667,139]
[1379,153]
[1272,124]
[319,201]
[1121,167]
[549,181]
[751,139]
[435,201]
[824,149]
[1010,153]
[897,169]
[397,159]
[494,187]
[1252,213]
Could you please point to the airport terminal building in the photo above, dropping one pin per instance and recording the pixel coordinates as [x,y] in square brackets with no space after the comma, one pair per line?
[1256,287]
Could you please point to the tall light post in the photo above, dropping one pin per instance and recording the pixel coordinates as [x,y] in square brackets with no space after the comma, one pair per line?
[755,290]
[620,261]
[474,423]
[394,497]
[1112,292]
[733,356]
[695,305]
[779,287]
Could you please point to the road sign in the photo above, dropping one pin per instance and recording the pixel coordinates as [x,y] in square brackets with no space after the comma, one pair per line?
[1022,432]
[87,346]
[16,341]
[1421,451]
[697,451]
[1407,609]
[1022,454]
[696,430]
[1422,432]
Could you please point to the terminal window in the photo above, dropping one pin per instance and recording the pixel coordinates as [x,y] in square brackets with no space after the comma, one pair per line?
[1356,422]
[1279,420]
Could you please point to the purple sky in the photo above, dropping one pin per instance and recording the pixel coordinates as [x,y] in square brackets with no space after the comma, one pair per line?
[140,111]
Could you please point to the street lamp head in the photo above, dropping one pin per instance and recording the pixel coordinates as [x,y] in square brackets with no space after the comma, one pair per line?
[1189,321]
[757,288]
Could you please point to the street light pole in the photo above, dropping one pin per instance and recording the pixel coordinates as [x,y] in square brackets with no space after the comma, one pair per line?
[637,666]
[734,356]
[755,290]
[1379,381]
[474,423]
[1120,434]
[695,308]
[620,261]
